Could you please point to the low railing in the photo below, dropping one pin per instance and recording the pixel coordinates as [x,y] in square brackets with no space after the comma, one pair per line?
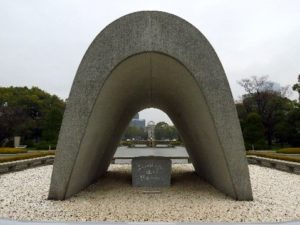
[150,143]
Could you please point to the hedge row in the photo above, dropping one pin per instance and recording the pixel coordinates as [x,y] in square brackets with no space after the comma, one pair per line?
[26,156]
[12,150]
[289,150]
[274,156]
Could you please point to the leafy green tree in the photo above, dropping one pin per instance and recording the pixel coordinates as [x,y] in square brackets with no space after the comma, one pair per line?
[268,103]
[31,113]
[51,125]
[134,132]
[164,131]
[296,87]
[293,119]
[12,123]
[253,131]
[281,132]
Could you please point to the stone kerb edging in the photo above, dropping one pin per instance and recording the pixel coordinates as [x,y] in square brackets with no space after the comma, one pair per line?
[286,166]
[25,164]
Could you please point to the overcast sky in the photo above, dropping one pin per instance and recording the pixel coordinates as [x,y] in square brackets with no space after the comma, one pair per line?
[42,41]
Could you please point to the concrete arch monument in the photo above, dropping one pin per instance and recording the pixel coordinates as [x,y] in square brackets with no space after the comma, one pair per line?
[150,59]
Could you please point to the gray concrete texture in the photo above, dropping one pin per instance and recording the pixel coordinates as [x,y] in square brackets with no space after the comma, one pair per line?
[150,59]
[13,222]
[151,171]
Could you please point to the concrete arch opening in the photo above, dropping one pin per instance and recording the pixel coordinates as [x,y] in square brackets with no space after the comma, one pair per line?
[150,59]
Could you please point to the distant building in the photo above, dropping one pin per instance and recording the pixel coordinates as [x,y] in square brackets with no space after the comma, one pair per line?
[137,122]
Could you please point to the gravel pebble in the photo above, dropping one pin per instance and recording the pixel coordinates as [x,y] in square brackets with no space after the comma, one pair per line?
[23,196]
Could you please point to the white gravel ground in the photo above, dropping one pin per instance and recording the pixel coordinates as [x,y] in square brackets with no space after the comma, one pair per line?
[277,198]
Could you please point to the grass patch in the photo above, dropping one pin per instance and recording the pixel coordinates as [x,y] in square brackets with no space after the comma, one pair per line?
[12,150]
[26,156]
[272,155]
[289,150]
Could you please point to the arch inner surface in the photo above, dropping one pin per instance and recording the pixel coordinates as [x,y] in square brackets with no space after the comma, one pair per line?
[150,79]
[150,59]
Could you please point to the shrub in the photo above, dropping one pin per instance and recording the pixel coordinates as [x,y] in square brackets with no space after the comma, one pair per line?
[274,156]
[259,145]
[43,145]
[28,142]
[12,150]
[26,156]
[125,143]
[289,150]
[9,144]
[176,143]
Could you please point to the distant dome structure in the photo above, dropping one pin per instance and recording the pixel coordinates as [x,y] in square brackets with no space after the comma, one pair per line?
[150,130]
[151,123]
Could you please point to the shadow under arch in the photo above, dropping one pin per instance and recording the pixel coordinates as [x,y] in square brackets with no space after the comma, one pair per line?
[101,106]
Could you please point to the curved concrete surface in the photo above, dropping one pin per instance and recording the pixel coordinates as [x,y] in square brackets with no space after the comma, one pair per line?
[150,59]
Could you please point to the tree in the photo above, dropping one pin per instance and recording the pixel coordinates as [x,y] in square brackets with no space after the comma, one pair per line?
[293,119]
[296,87]
[134,132]
[267,101]
[31,113]
[164,131]
[51,125]
[12,122]
[253,131]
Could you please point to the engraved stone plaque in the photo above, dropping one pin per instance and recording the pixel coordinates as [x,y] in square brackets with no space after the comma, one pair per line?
[151,171]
